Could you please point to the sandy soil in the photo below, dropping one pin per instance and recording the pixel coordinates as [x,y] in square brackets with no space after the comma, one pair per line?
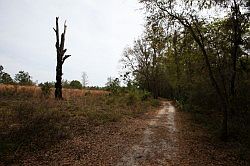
[159,144]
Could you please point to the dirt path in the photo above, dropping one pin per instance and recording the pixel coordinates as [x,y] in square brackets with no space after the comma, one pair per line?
[159,144]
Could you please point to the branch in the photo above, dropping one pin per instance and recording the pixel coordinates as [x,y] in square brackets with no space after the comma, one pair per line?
[65,57]
[65,27]
[187,24]
[63,36]
[57,33]
[64,51]
[184,22]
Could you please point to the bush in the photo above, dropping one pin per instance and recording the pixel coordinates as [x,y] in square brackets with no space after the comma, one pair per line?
[145,95]
[46,89]
[75,84]
[132,98]
[113,85]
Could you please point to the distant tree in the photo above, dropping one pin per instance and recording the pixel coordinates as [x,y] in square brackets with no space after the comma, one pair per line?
[1,73]
[75,84]
[84,79]
[1,70]
[144,58]
[109,81]
[23,78]
[61,57]
[6,78]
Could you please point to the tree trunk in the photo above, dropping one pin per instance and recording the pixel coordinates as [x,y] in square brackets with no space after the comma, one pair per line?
[58,84]
[176,58]
[234,53]
[60,59]
[224,132]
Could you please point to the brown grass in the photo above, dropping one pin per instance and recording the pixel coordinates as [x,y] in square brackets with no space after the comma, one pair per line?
[35,91]
[30,122]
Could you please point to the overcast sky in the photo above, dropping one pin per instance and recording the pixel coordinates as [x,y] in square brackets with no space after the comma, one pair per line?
[96,35]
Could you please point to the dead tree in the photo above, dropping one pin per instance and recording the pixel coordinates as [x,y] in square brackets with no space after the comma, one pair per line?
[61,57]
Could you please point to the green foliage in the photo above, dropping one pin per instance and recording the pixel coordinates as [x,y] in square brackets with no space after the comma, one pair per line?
[46,88]
[23,78]
[132,98]
[1,70]
[113,85]
[145,95]
[137,95]
[6,78]
[75,84]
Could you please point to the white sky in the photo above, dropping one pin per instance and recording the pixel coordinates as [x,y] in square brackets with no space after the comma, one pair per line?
[96,35]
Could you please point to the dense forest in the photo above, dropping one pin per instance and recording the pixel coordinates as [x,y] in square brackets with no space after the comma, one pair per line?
[196,52]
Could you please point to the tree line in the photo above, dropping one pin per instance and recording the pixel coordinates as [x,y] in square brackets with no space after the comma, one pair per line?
[21,78]
[25,79]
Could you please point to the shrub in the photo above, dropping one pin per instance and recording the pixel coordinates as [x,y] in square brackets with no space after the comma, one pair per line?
[75,84]
[46,89]
[132,98]
[145,95]
[113,85]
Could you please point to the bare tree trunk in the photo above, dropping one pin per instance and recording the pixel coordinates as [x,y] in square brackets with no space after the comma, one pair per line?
[154,75]
[234,53]
[60,59]
[177,64]
[224,132]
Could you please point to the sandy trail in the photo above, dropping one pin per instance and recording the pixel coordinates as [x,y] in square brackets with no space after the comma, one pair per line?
[159,143]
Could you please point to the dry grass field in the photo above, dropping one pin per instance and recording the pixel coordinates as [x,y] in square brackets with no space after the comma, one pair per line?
[35,91]
[30,122]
